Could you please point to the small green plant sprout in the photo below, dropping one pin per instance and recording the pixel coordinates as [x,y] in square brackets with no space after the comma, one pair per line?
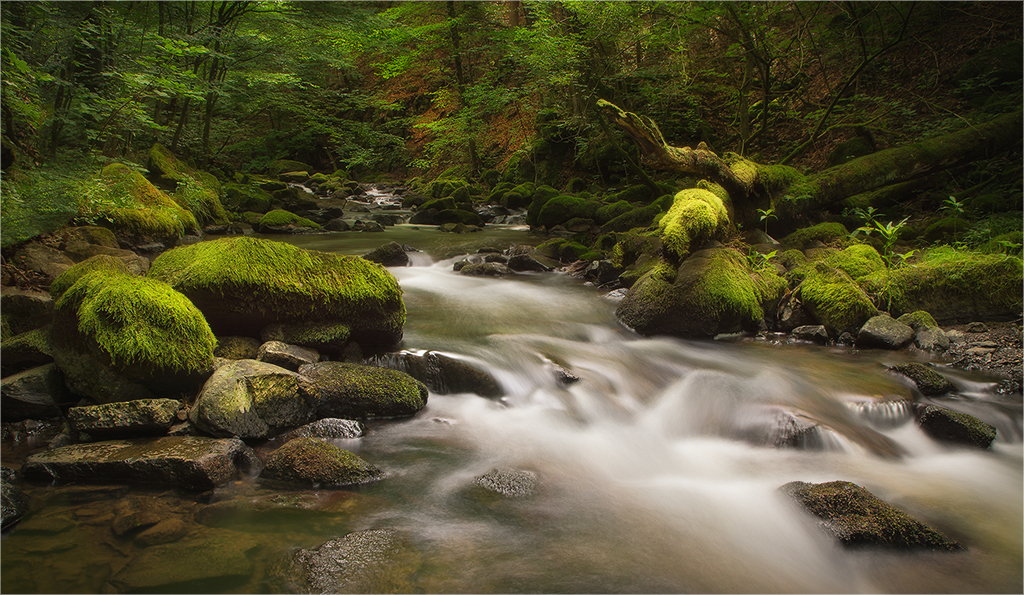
[866,216]
[767,215]
[953,207]
[889,232]
[905,257]
[758,260]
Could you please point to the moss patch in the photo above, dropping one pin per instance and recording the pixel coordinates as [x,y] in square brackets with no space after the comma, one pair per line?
[197,191]
[101,262]
[146,211]
[563,208]
[356,391]
[822,232]
[311,462]
[278,219]
[857,261]
[696,216]
[244,197]
[244,284]
[835,299]
[953,286]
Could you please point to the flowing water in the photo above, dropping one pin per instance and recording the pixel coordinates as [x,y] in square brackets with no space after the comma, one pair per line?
[656,471]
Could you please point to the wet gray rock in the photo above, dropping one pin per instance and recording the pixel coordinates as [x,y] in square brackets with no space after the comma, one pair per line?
[289,357]
[928,381]
[337,224]
[815,333]
[527,262]
[927,334]
[124,419]
[884,332]
[329,428]
[954,427]
[442,374]
[24,351]
[855,517]
[187,462]
[32,394]
[79,251]
[391,254]
[511,483]
[374,561]
[26,309]
[251,399]
[311,462]
[13,502]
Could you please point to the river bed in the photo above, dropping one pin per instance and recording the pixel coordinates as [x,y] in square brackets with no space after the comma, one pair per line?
[652,471]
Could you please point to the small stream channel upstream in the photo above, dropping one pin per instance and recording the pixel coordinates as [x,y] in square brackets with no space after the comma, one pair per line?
[655,471]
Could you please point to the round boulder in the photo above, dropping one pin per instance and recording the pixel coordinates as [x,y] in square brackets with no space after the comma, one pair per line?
[311,462]
[358,391]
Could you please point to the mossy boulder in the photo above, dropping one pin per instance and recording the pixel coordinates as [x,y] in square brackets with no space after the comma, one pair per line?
[244,284]
[835,299]
[26,350]
[32,394]
[458,216]
[638,217]
[108,264]
[945,229]
[251,399]
[280,166]
[311,462]
[391,254]
[928,381]
[822,232]
[857,518]
[195,190]
[857,261]
[696,216]
[145,213]
[325,336]
[119,338]
[954,427]
[357,391]
[281,221]
[563,208]
[127,419]
[613,210]
[246,197]
[954,286]
[927,333]
[713,291]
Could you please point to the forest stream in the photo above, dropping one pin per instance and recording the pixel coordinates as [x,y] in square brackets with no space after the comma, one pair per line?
[655,471]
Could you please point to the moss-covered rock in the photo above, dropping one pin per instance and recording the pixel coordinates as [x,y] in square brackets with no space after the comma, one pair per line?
[195,190]
[713,291]
[311,462]
[613,210]
[120,338]
[563,208]
[696,216]
[857,261]
[128,419]
[857,518]
[928,381]
[244,284]
[953,286]
[251,399]
[822,232]
[954,427]
[281,221]
[26,350]
[927,334]
[71,276]
[356,391]
[144,212]
[276,168]
[639,217]
[246,197]
[457,216]
[835,300]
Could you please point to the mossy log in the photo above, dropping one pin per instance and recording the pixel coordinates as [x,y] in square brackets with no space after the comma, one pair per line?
[791,192]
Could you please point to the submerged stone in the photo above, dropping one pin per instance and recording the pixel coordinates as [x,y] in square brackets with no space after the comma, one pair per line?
[187,462]
[857,518]
[928,381]
[511,483]
[374,561]
[192,565]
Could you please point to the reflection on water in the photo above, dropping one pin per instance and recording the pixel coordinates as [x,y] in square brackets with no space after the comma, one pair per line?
[657,469]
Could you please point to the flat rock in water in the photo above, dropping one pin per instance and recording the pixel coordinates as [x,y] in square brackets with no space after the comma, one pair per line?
[188,462]
[954,427]
[443,374]
[311,462]
[32,394]
[857,518]
[193,565]
[125,419]
[884,332]
[815,333]
[928,381]
[511,483]
[374,561]
[329,428]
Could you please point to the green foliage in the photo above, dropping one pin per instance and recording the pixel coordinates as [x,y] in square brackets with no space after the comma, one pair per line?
[42,199]
[889,233]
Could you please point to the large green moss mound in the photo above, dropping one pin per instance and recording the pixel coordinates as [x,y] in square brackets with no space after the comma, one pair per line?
[243,284]
[195,190]
[835,299]
[142,211]
[953,286]
[100,262]
[713,291]
[563,208]
[822,232]
[696,216]
[245,197]
[117,337]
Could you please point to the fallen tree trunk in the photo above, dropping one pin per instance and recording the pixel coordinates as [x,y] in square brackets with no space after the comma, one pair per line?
[791,192]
